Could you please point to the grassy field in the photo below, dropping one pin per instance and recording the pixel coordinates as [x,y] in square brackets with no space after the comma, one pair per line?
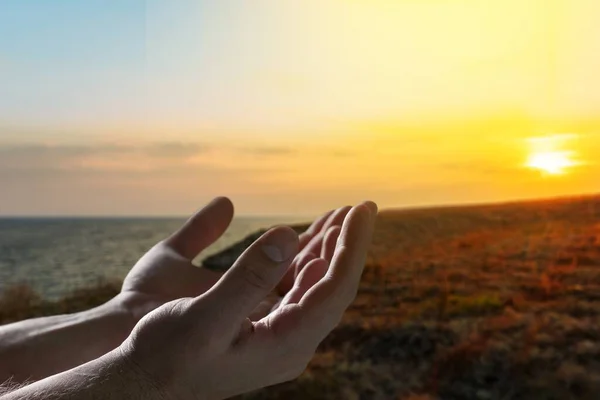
[486,302]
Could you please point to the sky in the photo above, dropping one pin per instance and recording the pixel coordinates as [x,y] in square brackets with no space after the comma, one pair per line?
[294,107]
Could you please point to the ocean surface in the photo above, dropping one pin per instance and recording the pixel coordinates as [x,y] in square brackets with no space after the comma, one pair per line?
[58,255]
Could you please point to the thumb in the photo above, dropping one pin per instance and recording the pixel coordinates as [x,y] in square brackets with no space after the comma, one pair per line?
[203,228]
[254,275]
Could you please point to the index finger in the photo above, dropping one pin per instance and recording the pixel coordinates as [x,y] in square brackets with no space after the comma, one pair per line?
[313,229]
[306,239]
[336,217]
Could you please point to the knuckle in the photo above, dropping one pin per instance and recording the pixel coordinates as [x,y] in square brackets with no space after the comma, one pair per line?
[254,278]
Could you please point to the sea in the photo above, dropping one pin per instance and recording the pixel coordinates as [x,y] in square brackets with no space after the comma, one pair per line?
[58,255]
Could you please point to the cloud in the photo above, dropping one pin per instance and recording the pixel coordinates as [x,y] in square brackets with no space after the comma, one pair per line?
[46,157]
[27,156]
[266,150]
[175,149]
[41,150]
[480,166]
[275,151]
[160,177]
[99,156]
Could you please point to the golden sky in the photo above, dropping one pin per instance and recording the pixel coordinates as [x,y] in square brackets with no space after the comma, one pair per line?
[295,107]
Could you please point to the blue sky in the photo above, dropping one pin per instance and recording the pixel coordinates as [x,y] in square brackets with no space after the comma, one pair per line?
[71,61]
[130,66]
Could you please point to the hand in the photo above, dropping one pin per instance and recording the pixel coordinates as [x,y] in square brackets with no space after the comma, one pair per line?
[206,347]
[166,271]
[318,240]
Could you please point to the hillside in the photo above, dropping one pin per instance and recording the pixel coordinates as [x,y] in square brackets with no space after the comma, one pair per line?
[486,302]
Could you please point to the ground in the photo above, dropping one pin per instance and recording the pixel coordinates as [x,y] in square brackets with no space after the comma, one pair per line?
[487,302]
[492,302]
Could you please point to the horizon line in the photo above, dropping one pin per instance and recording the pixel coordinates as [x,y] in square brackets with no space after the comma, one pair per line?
[297,216]
[139,216]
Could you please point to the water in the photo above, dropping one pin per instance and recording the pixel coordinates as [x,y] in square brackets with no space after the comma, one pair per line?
[56,256]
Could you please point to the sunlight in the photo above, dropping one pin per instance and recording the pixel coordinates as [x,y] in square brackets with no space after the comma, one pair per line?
[552,162]
[549,154]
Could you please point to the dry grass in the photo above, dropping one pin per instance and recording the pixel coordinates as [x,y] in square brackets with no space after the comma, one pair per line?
[494,302]
[20,302]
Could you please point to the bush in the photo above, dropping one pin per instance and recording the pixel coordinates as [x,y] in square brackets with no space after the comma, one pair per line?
[21,302]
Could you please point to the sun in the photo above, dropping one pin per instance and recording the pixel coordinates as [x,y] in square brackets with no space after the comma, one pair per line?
[551,162]
[552,154]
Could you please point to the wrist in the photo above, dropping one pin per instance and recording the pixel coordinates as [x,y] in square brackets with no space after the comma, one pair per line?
[121,314]
[111,376]
[40,347]
[122,320]
[133,374]
[131,378]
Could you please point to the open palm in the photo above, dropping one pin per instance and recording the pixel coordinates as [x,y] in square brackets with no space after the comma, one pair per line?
[316,249]
[166,271]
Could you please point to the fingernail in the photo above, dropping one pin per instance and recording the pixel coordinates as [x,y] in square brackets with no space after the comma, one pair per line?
[372,207]
[273,252]
[280,245]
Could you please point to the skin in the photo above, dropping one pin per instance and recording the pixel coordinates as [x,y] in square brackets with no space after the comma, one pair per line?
[213,340]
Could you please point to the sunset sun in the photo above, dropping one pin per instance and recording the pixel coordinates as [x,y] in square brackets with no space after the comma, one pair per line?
[551,162]
[552,154]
